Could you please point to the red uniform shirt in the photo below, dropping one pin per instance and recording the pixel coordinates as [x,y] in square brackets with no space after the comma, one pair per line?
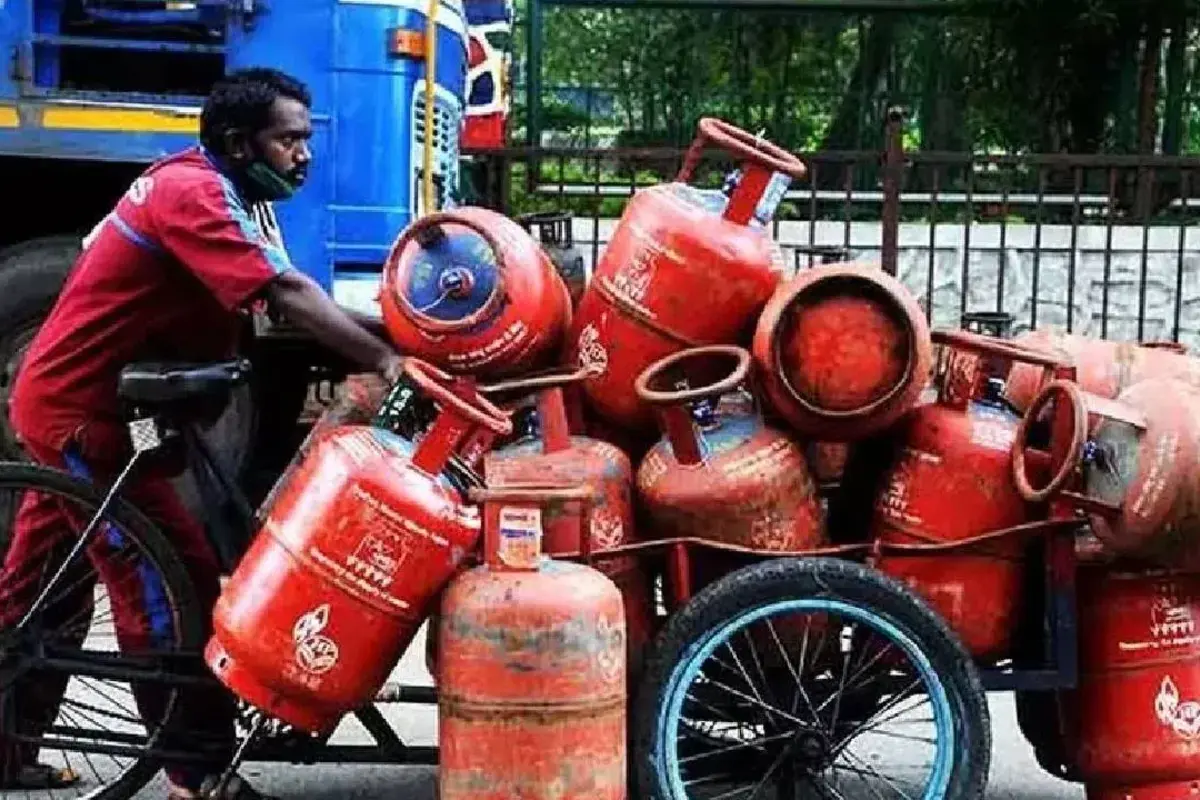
[163,277]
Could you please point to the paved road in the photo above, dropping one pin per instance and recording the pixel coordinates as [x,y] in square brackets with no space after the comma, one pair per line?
[1015,774]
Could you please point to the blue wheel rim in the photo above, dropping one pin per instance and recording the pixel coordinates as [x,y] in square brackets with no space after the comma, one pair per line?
[665,756]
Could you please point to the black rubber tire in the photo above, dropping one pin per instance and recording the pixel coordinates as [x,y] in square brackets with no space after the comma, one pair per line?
[788,578]
[31,275]
[1037,717]
[189,617]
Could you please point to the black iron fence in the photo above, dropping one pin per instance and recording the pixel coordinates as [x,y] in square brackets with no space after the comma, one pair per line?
[1102,245]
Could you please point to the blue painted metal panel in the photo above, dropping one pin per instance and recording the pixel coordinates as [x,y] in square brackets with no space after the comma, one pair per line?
[373,196]
[361,190]
[295,38]
[210,12]
[120,146]
[47,17]
[14,21]
[488,10]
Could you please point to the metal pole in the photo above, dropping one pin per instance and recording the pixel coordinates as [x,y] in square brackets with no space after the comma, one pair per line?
[533,97]
[893,169]
[533,76]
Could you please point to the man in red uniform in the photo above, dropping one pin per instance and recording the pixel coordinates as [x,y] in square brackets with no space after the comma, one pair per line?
[168,275]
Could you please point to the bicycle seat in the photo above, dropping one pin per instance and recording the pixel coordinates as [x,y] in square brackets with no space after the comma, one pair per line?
[153,383]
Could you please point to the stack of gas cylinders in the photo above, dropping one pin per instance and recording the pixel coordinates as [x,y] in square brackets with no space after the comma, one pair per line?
[696,388]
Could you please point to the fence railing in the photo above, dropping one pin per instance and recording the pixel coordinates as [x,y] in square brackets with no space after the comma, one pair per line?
[1101,245]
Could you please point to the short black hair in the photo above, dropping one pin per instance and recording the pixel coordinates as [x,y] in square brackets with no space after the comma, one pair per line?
[242,101]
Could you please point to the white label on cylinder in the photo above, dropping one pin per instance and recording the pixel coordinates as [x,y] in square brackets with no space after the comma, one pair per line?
[772,196]
[520,544]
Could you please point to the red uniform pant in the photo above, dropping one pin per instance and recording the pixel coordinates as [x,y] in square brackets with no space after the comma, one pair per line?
[45,529]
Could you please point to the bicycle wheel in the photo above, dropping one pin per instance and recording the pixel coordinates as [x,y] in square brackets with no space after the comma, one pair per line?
[100,732]
[799,678]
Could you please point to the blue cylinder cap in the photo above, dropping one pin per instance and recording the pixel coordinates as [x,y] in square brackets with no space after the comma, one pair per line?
[451,278]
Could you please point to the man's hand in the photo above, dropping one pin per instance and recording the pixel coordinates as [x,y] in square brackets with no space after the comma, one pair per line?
[392,368]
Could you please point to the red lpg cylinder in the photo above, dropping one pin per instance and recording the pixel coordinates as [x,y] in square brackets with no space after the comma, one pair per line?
[359,398]
[1137,707]
[1104,368]
[340,578]
[843,350]
[471,291]
[532,693]
[952,481]
[1141,484]
[558,457]
[684,268]
[720,473]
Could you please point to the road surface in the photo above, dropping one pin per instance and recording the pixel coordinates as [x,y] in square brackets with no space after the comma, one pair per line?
[1015,774]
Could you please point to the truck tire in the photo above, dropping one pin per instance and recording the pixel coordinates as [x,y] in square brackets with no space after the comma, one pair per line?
[31,275]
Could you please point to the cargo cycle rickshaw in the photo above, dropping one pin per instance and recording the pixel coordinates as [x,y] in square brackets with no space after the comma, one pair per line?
[760,685]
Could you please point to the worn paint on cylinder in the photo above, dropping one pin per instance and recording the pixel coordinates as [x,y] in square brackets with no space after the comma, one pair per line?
[1103,368]
[532,686]
[606,470]
[1151,474]
[681,270]
[844,351]
[1137,710]
[752,489]
[953,481]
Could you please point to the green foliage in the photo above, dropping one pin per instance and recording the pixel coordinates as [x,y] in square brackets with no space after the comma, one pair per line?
[1009,75]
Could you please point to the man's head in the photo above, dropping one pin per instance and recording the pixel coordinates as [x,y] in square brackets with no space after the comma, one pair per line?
[257,121]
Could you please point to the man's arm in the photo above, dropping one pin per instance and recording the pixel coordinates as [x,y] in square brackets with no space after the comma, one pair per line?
[369,321]
[302,301]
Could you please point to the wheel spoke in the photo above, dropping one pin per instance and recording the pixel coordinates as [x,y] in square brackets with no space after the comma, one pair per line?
[877,774]
[97,724]
[756,744]
[854,684]
[755,701]
[876,720]
[887,658]
[799,671]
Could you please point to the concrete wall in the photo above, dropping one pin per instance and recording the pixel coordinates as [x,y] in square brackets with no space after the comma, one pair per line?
[974,257]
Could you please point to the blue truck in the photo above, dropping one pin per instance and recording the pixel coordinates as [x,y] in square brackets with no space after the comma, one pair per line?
[97,89]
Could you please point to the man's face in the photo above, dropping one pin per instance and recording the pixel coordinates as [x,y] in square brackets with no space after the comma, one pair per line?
[284,143]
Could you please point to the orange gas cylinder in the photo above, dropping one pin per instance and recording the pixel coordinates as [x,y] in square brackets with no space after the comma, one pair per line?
[843,350]
[952,481]
[1141,483]
[471,291]
[684,268]
[1136,713]
[558,457]
[532,683]
[720,473]
[1104,368]
[340,577]
[359,397]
